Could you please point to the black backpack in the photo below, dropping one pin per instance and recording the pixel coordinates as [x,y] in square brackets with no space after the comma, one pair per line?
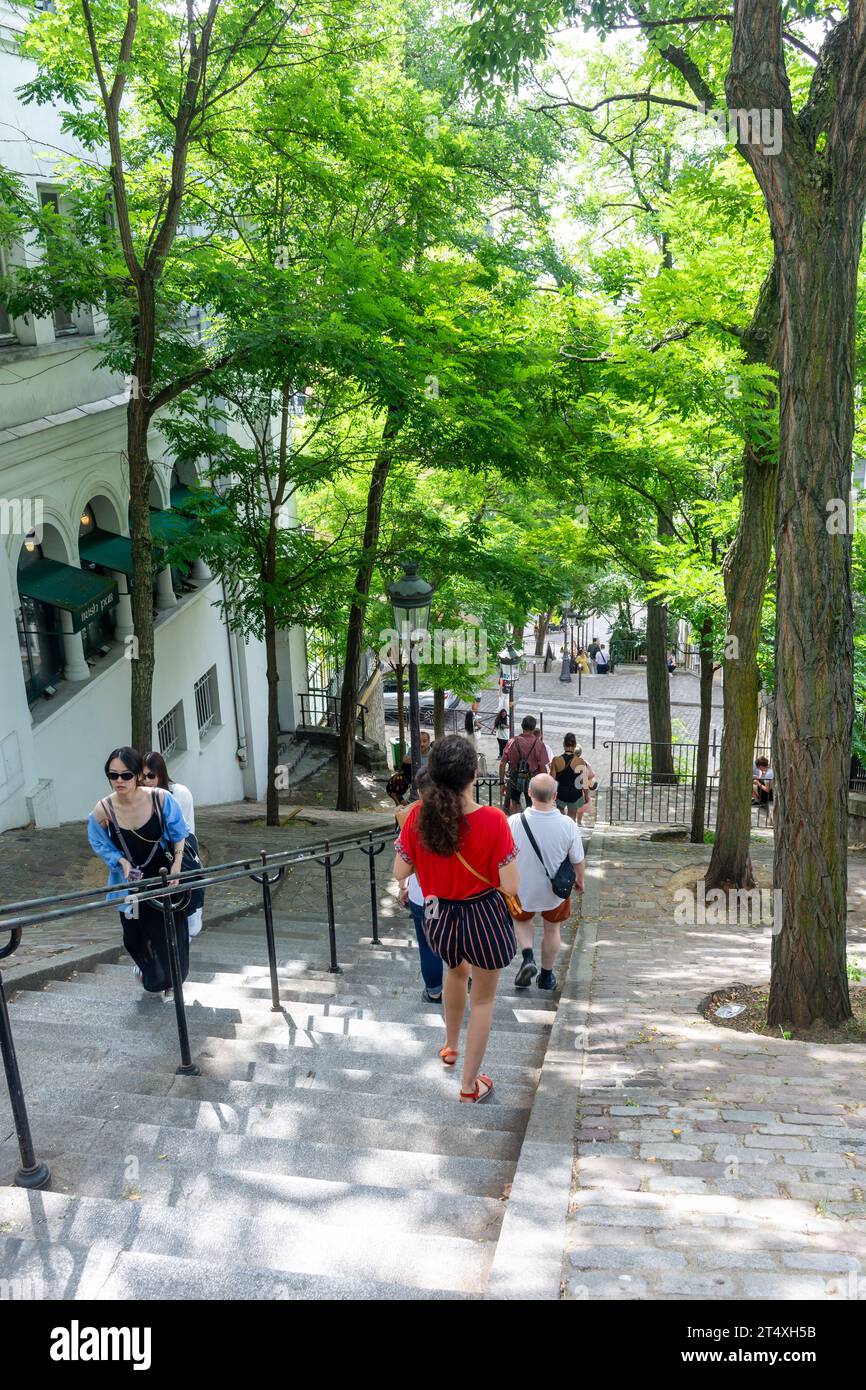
[522,777]
[565,877]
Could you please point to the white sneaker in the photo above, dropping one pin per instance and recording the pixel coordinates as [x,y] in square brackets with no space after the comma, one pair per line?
[136,970]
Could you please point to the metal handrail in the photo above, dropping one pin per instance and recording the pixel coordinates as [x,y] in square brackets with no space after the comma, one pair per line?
[159,888]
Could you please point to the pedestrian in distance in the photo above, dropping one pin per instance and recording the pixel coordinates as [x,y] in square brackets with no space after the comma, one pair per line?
[602,662]
[137,832]
[411,897]
[155,774]
[500,729]
[574,779]
[522,757]
[593,653]
[547,843]
[399,784]
[463,855]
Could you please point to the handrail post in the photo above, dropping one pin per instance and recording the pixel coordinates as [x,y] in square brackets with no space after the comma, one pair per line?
[333,968]
[187,1065]
[276,1006]
[374,900]
[31,1173]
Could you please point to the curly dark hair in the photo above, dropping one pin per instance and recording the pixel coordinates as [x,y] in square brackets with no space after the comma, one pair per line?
[452,765]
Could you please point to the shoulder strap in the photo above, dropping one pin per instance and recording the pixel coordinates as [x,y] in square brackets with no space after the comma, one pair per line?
[109,810]
[473,871]
[533,842]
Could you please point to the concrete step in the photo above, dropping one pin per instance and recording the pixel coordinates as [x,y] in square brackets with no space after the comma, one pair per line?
[213,1233]
[244,1004]
[343,990]
[416,1130]
[294,1023]
[60,1273]
[226,1081]
[156,1046]
[76,1145]
[244,1114]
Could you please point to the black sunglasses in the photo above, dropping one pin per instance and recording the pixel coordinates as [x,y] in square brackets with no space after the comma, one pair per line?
[120,776]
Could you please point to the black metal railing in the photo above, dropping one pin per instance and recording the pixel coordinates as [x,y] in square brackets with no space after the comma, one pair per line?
[15,918]
[660,789]
[319,710]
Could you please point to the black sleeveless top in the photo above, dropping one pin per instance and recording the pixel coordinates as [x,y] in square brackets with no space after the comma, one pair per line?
[141,846]
[569,781]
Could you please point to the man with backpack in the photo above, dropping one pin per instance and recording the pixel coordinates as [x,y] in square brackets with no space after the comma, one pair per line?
[523,757]
[550,859]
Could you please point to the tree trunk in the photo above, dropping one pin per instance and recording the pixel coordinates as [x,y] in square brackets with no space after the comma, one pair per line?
[814,619]
[272,796]
[438,713]
[541,633]
[346,798]
[141,579]
[745,571]
[699,805]
[658,689]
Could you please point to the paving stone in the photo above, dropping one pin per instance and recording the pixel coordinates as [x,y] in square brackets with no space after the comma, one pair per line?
[627,1259]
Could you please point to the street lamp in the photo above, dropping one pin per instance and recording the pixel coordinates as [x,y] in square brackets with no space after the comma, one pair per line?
[565,673]
[410,603]
[509,670]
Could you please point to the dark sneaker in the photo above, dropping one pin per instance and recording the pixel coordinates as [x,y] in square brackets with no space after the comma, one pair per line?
[431,998]
[546,980]
[526,974]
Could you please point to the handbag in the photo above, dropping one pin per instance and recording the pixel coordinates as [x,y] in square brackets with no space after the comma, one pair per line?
[565,877]
[512,900]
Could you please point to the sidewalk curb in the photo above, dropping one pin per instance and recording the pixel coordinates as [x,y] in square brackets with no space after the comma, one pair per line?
[528,1259]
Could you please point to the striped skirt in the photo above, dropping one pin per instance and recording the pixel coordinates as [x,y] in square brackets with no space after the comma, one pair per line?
[477,929]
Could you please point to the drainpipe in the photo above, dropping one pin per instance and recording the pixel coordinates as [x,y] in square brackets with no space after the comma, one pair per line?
[240,730]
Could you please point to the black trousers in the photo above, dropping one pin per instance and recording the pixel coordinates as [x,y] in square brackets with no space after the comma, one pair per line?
[145,940]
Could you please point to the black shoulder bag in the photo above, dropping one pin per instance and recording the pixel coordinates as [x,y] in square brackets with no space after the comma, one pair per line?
[565,877]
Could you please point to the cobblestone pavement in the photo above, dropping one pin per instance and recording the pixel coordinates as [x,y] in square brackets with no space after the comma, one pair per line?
[709,1164]
[39,863]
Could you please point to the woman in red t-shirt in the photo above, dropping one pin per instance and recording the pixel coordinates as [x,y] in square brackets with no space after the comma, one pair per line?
[461,852]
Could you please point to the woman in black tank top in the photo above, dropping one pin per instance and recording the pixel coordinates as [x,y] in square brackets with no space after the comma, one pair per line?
[572,773]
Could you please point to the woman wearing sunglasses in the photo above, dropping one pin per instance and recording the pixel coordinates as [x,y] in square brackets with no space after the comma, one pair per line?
[137,831]
[155,774]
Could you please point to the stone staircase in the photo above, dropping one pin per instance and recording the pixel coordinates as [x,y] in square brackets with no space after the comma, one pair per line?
[321,1154]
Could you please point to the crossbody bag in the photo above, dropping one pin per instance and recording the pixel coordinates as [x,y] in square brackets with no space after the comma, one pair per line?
[512,900]
[565,877]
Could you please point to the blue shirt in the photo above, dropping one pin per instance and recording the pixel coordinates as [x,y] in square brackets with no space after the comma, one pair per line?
[175,828]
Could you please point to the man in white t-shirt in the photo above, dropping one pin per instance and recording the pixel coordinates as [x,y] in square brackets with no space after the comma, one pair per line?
[556,836]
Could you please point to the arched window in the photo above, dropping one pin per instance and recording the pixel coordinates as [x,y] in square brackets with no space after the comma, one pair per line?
[40,641]
[99,633]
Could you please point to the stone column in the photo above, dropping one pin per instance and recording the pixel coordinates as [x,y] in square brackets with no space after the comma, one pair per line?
[75,668]
[200,571]
[165,597]
[123,624]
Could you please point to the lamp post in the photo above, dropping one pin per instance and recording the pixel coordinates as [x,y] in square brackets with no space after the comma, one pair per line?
[565,673]
[509,670]
[410,603]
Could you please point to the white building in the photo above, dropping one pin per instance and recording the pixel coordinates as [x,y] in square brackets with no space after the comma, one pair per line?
[64,561]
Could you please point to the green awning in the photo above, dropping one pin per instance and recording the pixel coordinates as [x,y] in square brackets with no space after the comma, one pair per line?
[182,495]
[169,527]
[106,548]
[80,592]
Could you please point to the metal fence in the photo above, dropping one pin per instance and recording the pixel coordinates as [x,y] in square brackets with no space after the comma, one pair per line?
[663,794]
[319,710]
